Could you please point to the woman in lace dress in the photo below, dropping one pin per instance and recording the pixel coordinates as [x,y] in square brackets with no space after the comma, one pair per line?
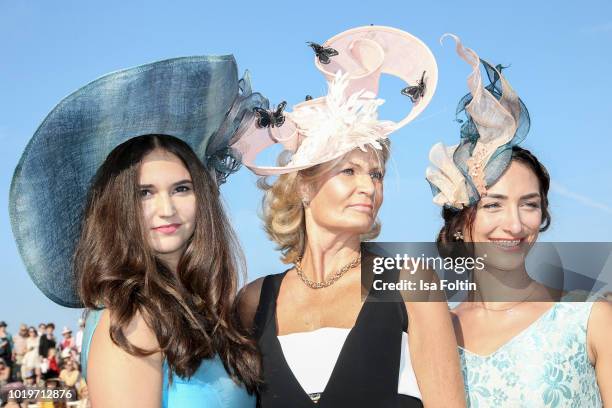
[521,343]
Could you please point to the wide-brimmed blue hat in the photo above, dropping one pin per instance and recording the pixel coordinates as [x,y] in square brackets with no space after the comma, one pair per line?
[197,99]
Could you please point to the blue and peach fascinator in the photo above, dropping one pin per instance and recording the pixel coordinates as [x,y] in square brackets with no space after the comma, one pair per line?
[496,120]
[322,129]
[197,99]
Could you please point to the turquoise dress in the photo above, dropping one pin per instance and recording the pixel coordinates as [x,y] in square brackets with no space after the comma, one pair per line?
[546,365]
[209,387]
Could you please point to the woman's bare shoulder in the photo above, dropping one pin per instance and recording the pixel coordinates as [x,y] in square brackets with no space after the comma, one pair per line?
[248,301]
[115,376]
[600,325]
[137,332]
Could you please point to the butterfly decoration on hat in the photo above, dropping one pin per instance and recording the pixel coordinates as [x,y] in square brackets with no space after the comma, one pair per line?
[273,118]
[415,92]
[321,129]
[323,54]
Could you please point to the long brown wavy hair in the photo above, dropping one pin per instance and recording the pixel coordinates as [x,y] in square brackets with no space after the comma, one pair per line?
[191,311]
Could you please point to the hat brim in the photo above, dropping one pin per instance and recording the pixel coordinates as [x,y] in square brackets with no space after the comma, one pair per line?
[183,97]
[404,56]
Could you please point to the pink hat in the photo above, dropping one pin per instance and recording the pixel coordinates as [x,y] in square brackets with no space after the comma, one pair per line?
[325,128]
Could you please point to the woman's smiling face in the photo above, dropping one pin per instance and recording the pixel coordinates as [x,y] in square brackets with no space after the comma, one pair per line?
[508,217]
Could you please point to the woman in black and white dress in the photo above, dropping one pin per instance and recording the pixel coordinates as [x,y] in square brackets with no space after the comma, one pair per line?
[320,342]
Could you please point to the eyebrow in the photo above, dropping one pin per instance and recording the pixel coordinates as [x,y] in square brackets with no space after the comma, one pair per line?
[185,181]
[361,166]
[503,197]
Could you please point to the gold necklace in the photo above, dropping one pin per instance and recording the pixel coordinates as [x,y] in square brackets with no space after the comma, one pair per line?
[319,285]
[509,309]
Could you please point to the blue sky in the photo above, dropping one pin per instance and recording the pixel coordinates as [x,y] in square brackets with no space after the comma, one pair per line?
[559,52]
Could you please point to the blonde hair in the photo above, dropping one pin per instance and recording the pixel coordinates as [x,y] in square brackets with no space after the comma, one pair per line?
[283,209]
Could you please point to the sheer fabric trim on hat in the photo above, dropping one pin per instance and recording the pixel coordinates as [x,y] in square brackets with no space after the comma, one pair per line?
[496,120]
[220,158]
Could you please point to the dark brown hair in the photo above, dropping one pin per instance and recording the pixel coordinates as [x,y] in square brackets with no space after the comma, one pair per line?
[190,312]
[460,220]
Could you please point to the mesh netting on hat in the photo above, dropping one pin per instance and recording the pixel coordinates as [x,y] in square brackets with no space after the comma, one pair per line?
[496,120]
[485,122]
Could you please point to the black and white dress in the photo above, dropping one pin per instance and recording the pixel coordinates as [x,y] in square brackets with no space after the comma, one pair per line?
[366,366]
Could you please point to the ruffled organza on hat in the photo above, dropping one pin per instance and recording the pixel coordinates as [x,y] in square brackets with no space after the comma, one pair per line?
[496,120]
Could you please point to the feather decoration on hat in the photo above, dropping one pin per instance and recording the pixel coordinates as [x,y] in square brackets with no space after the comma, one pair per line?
[339,124]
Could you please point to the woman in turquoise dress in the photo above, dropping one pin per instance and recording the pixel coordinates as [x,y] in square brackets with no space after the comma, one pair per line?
[521,343]
[115,205]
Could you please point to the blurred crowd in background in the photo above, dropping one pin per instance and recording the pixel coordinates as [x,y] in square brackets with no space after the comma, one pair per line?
[35,359]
